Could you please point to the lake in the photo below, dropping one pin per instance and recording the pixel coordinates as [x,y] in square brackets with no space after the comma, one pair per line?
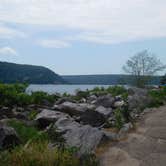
[52,89]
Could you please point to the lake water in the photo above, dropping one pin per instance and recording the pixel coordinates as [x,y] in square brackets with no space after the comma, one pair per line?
[52,89]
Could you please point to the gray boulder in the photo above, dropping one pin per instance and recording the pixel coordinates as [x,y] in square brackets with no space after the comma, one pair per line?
[106,101]
[139,100]
[119,104]
[84,137]
[72,108]
[8,137]
[86,113]
[106,112]
[46,117]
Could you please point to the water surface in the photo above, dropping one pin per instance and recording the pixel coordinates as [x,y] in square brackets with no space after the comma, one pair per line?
[52,89]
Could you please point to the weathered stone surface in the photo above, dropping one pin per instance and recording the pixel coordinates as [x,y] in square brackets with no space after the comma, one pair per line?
[139,100]
[46,117]
[92,118]
[104,111]
[106,101]
[84,111]
[72,108]
[84,137]
[119,104]
[124,130]
[110,136]
[8,137]
[6,112]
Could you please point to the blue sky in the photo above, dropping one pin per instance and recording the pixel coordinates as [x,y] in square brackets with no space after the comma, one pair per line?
[81,36]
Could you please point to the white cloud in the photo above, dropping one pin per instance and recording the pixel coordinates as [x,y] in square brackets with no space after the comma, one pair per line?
[7,51]
[6,32]
[50,43]
[101,21]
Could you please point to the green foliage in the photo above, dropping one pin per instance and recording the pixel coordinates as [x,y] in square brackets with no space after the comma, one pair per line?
[12,73]
[163,80]
[38,154]
[32,115]
[117,90]
[158,97]
[41,97]
[80,94]
[27,133]
[89,160]
[56,136]
[119,119]
[14,94]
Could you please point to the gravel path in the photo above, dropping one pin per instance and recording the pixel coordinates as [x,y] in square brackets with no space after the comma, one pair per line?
[144,147]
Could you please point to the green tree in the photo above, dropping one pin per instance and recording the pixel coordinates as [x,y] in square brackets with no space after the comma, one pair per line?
[163,80]
[142,66]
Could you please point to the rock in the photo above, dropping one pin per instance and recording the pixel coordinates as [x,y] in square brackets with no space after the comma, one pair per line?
[83,100]
[84,111]
[119,104]
[75,109]
[104,111]
[64,99]
[92,118]
[66,124]
[47,117]
[72,108]
[6,112]
[106,101]
[118,98]
[92,98]
[21,115]
[86,138]
[8,137]
[110,136]
[124,130]
[139,100]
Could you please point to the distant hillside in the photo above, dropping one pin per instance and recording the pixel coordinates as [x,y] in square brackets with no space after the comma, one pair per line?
[11,73]
[108,79]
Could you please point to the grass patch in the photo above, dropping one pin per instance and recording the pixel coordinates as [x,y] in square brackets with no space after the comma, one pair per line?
[27,133]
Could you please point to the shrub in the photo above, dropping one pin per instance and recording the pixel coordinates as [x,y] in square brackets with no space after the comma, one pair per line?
[32,115]
[119,119]
[41,97]
[158,97]
[27,133]
[116,90]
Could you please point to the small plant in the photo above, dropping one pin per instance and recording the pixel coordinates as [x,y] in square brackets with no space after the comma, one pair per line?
[119,119]
[32,115]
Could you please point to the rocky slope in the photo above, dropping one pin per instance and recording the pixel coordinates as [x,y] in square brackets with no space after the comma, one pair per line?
[81,124]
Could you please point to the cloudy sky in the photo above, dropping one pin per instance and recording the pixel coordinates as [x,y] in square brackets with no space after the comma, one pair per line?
[81,36]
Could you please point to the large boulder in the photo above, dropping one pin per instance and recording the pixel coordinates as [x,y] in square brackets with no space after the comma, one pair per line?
[46,117]
[92,118]
[138,99]
[106,101]
[86,113]
[106,112]
[8,137]
[84,137]
[119,104]
[72,109]
[6,112]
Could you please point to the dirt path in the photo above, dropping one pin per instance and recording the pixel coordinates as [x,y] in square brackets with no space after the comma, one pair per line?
[145,147]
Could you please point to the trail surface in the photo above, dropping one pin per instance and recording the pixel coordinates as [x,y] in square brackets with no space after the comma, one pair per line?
[144,147]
